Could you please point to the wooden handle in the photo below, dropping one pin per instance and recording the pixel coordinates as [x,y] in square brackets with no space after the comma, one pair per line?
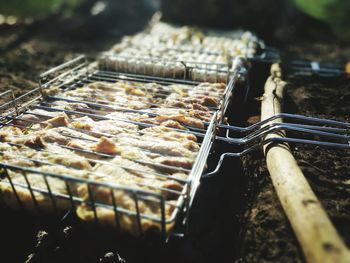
[318,238]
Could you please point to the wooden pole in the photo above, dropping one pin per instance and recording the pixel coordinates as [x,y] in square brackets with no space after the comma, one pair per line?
[317,236]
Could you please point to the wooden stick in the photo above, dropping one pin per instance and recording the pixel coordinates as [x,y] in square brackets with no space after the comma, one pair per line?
[317,236]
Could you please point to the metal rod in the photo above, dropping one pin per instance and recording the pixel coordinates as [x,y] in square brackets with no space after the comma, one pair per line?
[138,218]
[259,134]
[92,202]
[286,116]
[50,194]
[35,202]
[13,187]
[116,216]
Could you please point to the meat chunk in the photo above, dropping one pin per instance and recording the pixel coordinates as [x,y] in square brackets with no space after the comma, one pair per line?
[16,136]
[52,154]
[135,154]
[172,124]
[60,120]
[174,148]
[169,134]
[119,94]
[201,100]
[8,132]
[107,146]
[201,115]
[36,180]
[98,128]
[189,121]
[126,172]
[33,142]
[175,161]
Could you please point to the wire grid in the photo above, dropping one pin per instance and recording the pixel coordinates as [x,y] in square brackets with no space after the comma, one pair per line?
[80,73]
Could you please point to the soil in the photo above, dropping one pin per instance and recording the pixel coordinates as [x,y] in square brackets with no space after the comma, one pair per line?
[266,235]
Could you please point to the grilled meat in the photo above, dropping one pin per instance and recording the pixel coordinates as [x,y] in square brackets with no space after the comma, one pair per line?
[111,146]
[168,133]
[25,185]
[135,175]
[140,178]
[52,154]
[98,128]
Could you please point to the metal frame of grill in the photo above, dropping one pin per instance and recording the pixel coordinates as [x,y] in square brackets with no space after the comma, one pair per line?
[75,73]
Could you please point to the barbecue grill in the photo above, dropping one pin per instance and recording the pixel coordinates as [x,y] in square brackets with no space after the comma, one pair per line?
[218,140]
[81,72]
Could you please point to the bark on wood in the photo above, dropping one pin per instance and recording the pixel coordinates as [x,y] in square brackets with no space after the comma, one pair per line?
[315,232]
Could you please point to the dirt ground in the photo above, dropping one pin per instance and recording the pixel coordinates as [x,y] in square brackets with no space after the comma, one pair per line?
[21,66]
[266,235]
